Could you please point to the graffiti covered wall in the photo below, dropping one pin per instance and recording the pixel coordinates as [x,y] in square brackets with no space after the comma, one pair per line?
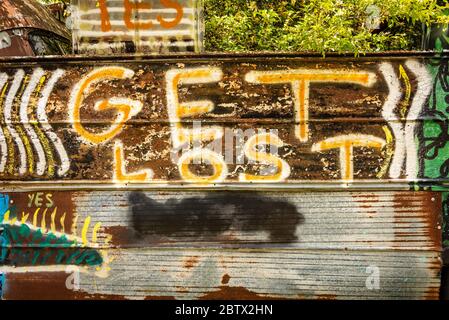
[219,122]
[112,167]
[193,245]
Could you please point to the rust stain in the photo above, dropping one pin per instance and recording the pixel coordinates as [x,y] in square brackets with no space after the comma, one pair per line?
[431,208]
[29,14]
[181,289]
[326,297]
[191,262]
[432,293]
[160,298]
[47,286]
[121,236]
[225,279]
[235,293]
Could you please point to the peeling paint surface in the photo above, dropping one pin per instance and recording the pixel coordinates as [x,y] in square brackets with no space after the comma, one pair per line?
[207,122]
[143,26]
[29,14]
[197,245]
[214,177]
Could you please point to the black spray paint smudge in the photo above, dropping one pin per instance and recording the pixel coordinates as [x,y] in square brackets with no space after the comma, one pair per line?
[212,215]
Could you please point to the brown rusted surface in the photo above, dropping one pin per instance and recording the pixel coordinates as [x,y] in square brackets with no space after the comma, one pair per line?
[45,204]
[195,244]
[235,293]
[29,14]
[326,297]
[365,106]
[191,262]
[110,139]
[433,220]
[225,279]
[50,286]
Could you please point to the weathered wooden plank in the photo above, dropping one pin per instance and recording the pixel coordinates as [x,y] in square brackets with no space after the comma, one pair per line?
[144,122]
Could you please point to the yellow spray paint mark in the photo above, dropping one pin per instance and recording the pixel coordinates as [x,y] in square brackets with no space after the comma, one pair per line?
[346,145]
[250,149]
[205,156]
[28,148]
[108,239]
[6,216]
[21,132]
[35,216]
[44,222]
[389,152]
[408,92]
[125,108]
[85,230]
[95,232]
[24,217]
[8,138]
[178,110]
[300,81]
[53,216]
[62,221]
[119,173]
[43,138]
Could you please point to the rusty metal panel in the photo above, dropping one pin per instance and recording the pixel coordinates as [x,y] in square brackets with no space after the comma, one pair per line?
[242,245]
[203,121]
[29,14]
[200,169]
[143,26]
[240,274]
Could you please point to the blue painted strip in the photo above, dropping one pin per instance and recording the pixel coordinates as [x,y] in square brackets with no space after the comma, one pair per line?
[4,205]
[2,282]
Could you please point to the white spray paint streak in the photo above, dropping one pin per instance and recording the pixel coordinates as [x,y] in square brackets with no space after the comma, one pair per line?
[8,108]
[393,99]
[42,117]
[119,23]
[141,11]
[423,91]
[173,103]
[3,145]
[132,33]
[41,162]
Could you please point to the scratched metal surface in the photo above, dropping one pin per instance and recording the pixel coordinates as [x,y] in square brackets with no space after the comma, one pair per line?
[241,274]
[191,245]
[151,26]
[101,197]
[334,121]
[29,14]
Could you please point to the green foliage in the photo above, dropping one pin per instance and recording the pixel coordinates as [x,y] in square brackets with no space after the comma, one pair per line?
[318,25]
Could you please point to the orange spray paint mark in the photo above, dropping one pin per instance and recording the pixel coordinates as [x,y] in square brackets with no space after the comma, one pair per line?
[300,81]
[104,16]
[346,145]
[120,174]
[179,14]
[128,15]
